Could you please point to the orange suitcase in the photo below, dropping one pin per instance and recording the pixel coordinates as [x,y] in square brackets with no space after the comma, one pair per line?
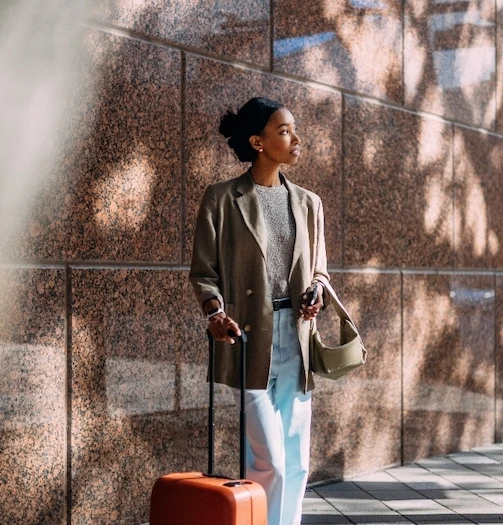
[194,498]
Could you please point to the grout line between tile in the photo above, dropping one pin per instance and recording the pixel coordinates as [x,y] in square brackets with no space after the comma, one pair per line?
[495,357]
[68,396]
[271,35]
[127,33]
[402,411]
[183,172]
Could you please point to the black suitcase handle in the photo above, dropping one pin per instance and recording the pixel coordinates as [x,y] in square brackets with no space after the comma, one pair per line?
[211,410]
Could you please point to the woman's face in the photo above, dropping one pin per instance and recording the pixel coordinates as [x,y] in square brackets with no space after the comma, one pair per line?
[279,140]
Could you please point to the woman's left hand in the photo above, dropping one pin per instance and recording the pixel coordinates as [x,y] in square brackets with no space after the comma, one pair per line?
[307,311]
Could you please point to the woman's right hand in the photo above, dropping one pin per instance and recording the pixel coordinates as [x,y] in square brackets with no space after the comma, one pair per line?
[219,326]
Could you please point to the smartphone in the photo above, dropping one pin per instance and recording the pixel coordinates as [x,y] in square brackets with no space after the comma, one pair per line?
[314,296]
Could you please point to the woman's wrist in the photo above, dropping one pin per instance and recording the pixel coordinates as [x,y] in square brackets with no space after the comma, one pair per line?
[215,313]
[210,305]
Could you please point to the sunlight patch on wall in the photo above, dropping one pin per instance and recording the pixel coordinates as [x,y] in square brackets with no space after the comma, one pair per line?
[414,72]
[123,196]
[358,27]
[476,216]
[493,242]
[438,187]
[427,319]
[435,201]
[430,143]
[369,150]
[372,277]
[471,213]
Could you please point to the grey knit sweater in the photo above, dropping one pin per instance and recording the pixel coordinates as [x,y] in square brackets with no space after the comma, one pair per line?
[280,224]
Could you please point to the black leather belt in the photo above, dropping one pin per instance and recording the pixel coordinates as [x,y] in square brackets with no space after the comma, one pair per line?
[278,304]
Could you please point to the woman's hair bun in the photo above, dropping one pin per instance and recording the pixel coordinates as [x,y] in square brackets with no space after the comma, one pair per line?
[228,124]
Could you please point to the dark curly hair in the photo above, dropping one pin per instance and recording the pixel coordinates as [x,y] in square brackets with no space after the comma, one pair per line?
[250,120]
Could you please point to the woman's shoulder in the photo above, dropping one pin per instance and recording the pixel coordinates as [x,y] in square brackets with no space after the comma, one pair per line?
[303,193]
[227,186]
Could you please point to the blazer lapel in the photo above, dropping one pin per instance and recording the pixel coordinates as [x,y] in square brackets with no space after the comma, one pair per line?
[250,210]
[299,211]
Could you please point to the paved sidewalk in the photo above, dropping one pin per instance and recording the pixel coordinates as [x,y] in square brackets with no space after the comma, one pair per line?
[460,488]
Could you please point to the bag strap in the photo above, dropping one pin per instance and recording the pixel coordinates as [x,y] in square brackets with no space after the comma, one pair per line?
[339,308]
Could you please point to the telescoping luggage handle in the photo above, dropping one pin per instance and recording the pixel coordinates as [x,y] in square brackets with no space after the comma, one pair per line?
[211,410]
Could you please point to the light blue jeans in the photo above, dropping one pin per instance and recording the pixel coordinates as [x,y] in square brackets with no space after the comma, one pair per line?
[278,427]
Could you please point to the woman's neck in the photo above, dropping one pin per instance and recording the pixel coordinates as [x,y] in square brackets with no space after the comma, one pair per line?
[265,175]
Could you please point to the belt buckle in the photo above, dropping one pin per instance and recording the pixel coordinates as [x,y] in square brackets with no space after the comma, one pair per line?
[276,305]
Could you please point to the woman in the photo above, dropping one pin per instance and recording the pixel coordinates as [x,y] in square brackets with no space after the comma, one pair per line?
[259,251]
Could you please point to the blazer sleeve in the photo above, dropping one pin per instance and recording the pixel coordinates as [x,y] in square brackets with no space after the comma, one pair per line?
[320,267]
[204,270]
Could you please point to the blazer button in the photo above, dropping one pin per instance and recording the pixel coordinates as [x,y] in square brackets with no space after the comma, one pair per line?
[249,292]
[247,328]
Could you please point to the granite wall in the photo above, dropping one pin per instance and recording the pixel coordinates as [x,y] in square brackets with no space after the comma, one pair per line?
[103,352]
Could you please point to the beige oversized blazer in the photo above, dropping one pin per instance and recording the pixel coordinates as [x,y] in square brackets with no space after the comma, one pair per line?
[229,263]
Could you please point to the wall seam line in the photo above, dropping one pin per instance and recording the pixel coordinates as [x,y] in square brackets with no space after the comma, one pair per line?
[403,51]
[343,182]
[496,58]
[402,411]
[271,35]
[68,395]
[281,75]
[453,205]
[183,172]
[106,265]
[495,356]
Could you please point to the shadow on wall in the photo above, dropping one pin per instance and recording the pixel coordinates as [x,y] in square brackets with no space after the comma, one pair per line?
[137,352]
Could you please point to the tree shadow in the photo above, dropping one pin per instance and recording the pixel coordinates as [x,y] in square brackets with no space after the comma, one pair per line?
[127,194]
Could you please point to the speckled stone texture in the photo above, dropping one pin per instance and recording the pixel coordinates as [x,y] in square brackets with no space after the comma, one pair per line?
[211,89]
[353,45]
[116,191]
[229,28]
[448,363]
[499,356]
[32,392]
[397,188]
[139,405]
[357,419]
[478,214]
[449,60]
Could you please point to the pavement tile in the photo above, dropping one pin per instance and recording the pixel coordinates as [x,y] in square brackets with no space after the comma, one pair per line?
[472,459]
[312,505]
[473,485]
[360,507]
[446,493]
[338,486]
[326,519]
[385,495]
[441,461]
[377,476]
[469,503]
[371,518]
[350,495]
[486,511]
[440,484]
[369,486]
[425,517]
[497,498]
[440,511]
[484,518]
[404,506]
[460,488]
